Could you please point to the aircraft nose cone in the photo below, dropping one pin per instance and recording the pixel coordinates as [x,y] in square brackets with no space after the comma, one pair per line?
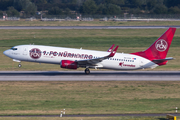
[6,52]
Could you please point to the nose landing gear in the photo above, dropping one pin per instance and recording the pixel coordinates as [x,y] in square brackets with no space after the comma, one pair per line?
[87,71]
[19,65]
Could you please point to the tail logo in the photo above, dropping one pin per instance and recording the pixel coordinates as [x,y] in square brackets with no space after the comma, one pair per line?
[161,45]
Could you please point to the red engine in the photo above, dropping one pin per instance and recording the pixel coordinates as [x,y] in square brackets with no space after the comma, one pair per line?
[68,64]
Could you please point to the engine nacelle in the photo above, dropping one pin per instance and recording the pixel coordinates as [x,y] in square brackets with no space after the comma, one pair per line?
[68,64]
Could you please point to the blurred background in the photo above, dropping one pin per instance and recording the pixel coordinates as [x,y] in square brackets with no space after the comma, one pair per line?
[88,10]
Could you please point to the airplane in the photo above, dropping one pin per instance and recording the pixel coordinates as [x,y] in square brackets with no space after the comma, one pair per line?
[70,58]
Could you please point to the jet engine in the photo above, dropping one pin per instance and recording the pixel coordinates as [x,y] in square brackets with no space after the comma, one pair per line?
[68,64]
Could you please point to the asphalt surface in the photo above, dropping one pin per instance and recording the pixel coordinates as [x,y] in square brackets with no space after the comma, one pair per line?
[93,76]
[86,27]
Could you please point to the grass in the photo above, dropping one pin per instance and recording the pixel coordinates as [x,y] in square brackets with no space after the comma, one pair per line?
[84,38]
[88,97]
[86,118]
[88,23]
[129,40]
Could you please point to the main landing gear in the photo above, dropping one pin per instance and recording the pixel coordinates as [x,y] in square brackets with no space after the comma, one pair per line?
[87,71]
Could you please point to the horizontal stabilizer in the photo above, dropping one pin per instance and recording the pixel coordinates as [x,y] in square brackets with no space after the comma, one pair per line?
[162,60]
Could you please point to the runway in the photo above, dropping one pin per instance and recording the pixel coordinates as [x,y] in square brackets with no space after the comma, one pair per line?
[87,27]
[93,76]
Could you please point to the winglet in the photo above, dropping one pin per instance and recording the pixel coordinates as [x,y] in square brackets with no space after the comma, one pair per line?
[113,52]
[111,48]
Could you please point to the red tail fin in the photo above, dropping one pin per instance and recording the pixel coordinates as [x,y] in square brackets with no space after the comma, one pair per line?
[159,49]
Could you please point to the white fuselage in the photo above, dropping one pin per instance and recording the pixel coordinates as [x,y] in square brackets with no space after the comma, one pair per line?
[54,55]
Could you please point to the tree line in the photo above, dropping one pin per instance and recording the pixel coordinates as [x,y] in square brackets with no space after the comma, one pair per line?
[89,7]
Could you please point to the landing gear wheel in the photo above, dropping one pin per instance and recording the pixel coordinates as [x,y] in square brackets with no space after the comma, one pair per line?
[87,71]
[19,65]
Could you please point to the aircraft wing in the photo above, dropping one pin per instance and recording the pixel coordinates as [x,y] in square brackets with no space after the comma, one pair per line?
[96,60]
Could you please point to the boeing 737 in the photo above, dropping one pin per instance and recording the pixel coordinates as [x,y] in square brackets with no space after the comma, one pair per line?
[70,58]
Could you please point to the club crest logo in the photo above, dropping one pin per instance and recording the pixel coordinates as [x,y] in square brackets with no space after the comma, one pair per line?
[161,45]
[35,53]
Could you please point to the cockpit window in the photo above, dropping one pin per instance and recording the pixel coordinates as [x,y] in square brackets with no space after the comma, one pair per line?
[13,48]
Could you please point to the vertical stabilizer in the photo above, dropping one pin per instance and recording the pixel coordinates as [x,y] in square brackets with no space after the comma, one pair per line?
[159,49]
